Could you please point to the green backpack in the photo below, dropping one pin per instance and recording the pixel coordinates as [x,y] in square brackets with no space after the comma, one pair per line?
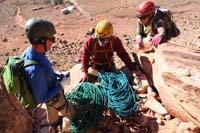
[16,82]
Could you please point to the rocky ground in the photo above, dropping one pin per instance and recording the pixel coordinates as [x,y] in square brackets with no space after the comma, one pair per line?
[72,27]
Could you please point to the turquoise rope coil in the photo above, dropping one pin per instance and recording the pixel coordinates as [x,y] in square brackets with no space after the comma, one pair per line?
[89,102]
[121,97]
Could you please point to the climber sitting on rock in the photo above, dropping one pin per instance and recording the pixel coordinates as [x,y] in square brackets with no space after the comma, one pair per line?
[154,25]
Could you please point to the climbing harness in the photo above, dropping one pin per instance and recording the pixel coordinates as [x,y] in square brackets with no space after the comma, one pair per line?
[108,56]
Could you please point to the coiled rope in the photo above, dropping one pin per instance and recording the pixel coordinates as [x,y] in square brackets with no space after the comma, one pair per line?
[121,97]
[89,102]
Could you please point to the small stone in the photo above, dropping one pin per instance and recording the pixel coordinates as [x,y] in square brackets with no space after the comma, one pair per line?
[127,39]
[159,121]
[68,9]
[14,50]
[61,33]
[127,42]
[65,11]
[65,41]
[6,54]
[5,40]
[56,2]
[143,108]
[168,117]
[78,60]
[188,73]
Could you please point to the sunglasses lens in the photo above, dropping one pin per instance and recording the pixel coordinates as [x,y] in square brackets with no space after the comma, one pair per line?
[103,39]
[141,17]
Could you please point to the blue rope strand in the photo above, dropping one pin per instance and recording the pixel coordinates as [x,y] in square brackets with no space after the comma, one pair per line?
[121,97]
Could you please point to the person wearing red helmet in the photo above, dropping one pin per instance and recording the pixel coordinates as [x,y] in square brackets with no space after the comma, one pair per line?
[152,25]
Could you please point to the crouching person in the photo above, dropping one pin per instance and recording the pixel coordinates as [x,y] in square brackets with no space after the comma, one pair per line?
[154,25]
[41,77]
[98,51]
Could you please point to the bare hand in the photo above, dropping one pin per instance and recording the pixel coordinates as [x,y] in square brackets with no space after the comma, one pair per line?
[84,77]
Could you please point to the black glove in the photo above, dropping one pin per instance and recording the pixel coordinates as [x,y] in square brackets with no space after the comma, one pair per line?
[61,75]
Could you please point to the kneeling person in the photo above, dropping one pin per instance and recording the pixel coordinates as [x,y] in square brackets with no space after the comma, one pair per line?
[98,51]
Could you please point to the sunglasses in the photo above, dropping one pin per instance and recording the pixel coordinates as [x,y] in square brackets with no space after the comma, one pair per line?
[52,39]
[141,17]
[103,39]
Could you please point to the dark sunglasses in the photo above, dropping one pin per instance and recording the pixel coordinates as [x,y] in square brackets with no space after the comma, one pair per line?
[103,39]
[52,39]
[141,17]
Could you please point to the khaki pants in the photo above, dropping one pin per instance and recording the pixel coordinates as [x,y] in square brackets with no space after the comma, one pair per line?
[55,106]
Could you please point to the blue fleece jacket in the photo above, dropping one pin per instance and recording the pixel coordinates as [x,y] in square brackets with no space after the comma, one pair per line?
[43,90]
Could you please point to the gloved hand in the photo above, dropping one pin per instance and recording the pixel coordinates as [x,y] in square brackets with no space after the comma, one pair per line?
[84,77]
[61,75]
[139,43]
[156,40]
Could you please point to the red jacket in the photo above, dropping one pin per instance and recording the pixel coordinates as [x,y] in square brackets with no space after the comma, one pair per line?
[88,51]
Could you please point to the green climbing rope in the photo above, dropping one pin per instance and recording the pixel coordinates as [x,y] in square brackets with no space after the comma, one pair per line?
[121,97]
[89,102]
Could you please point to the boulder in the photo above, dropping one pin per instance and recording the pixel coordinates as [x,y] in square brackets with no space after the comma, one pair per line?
[72,80]
[175,73]
[14,118]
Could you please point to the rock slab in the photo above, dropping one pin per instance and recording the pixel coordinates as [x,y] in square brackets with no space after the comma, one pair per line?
[175,72]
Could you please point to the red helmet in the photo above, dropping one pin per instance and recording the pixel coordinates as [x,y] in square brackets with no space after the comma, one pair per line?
[146,8]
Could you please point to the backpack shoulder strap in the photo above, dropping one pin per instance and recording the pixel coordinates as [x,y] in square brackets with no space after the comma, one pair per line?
[22,55]
[162,14]
[30,62]
[95,46]
[111,45]
[159,15]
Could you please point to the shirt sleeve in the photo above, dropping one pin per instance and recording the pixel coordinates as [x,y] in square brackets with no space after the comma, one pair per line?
[38,82]
[86,52]
[139,30]
[121,52]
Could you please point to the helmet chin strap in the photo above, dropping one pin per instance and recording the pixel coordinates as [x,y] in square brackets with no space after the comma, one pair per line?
[150,19]
[43,41]
[45,47]
[100,43]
